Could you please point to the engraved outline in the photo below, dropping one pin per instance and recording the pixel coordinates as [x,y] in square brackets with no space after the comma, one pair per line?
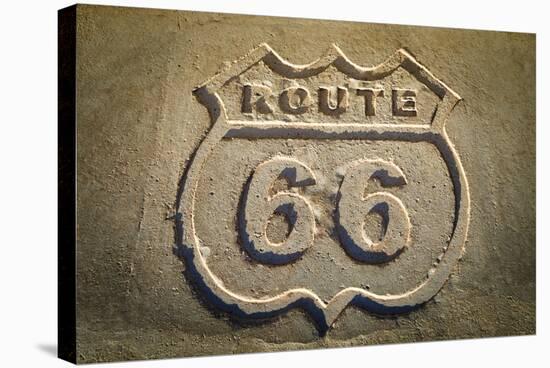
[324,313]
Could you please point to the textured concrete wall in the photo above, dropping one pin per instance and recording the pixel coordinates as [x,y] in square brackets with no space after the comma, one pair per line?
[376,194]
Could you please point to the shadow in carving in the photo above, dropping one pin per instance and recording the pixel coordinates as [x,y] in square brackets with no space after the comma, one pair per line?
[355,242]
[247,242]
[354,250]
[336,108]
[208,99]
[383,211]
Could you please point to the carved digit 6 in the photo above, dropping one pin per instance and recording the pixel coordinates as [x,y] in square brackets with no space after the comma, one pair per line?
[261,202]
[354,206]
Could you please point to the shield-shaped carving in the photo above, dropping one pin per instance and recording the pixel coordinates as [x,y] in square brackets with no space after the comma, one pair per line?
[323,185]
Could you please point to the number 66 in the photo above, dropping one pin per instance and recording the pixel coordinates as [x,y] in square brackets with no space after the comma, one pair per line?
[260,202]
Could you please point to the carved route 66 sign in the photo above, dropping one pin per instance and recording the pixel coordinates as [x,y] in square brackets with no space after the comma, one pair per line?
[323,185]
